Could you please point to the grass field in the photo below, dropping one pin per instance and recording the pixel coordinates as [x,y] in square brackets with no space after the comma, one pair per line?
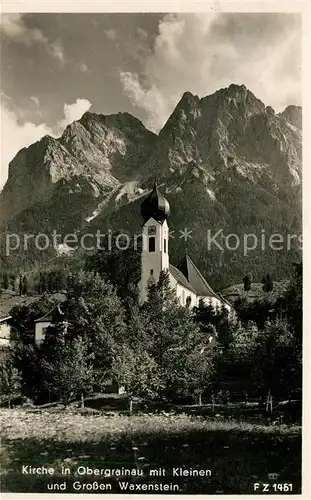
[238,454]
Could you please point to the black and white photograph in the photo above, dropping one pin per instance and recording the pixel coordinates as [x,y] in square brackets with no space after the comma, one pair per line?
[151,333]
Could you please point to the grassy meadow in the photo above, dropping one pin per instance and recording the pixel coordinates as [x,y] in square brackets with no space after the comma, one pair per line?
[238,453]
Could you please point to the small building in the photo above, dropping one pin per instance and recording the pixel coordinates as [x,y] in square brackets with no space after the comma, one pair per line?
[8,337]
[5,331]
[42,324]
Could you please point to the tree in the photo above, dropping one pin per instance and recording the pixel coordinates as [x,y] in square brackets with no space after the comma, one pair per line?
[137,371]
[175,338]
[247,283]
[120,267]
[277,363]
[12,281]
[10,380]
[71,375]
[291,305]
[51,282]
[258,310]
[95,313]
[267,283]
[204,314]
[160,296]
[186,364]
[27,360]
[92,312]
[24,285]
[5,281]
[60,280]
[200,366]
[42,285]
[54,342]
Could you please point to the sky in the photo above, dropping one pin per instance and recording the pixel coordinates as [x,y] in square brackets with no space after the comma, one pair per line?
[55,67]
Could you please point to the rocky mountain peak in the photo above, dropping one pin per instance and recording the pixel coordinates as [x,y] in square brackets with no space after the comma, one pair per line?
[222,107]
[231,123]
[123,121]
[235,99]
[227,161]
[293,115]
[187,110]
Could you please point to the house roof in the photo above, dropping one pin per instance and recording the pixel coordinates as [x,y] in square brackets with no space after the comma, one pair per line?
[195,278]
[4,320]
[180,278]
[50,315]
[8,301]
[224,299]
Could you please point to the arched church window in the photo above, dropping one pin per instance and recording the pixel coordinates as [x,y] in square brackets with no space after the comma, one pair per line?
[188,301]
[165,245]
[152,230]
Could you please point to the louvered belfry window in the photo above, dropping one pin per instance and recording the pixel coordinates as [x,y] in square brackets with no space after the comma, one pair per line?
[152,244]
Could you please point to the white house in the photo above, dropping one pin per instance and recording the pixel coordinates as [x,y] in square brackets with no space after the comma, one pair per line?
[5,332]
[186,279]
[42,324]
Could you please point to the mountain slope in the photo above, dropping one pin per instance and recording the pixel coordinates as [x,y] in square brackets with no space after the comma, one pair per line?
[230,125]
[225,162]
[101,151]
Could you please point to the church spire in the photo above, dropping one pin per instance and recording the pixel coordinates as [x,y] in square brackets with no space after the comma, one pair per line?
[155,205]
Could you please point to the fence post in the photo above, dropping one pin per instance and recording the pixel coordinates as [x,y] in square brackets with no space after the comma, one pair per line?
[213,403]
[269,403]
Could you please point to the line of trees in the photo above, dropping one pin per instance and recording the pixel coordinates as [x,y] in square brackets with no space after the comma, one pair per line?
[152,350]
[267,283]
[157,351]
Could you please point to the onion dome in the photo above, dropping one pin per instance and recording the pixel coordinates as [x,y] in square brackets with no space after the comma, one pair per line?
[155,205]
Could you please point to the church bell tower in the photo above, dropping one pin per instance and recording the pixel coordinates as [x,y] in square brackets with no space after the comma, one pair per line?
[155,210]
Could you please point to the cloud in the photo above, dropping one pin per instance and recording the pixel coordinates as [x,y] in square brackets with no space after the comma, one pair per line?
[35,100]
[142,34]
[202,53]
[156,105]
[14,27]
[111,34]
[56,50]
[16,135]
[83,67]
[73,112]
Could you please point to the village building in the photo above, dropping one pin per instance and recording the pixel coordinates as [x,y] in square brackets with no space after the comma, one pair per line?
[55,315]
[5,331]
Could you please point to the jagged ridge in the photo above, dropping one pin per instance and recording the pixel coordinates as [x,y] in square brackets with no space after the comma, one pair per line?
[225,160]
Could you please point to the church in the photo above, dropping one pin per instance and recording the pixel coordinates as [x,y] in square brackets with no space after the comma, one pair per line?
[187,281]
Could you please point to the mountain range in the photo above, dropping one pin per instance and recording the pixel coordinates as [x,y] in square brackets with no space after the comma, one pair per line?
[225,162]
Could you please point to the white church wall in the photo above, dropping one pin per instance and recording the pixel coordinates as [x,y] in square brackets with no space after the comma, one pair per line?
[215,302]
[155,258]
[153,262]
[173,283]
[183,294]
